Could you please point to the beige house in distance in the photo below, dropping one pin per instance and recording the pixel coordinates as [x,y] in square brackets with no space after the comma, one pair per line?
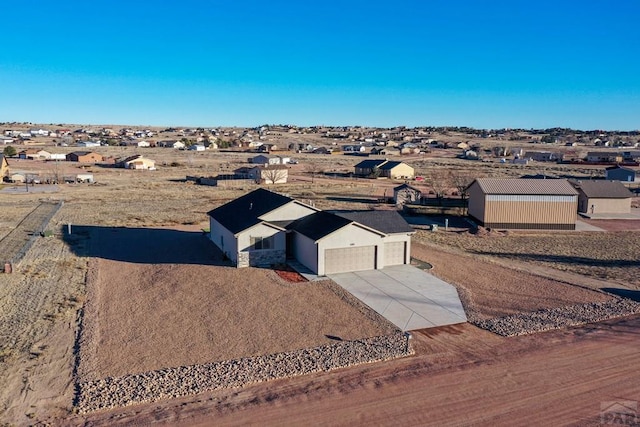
[542,204]
[603,197]
[137,162]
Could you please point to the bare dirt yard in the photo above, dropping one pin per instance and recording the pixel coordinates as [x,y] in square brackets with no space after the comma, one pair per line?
[611,256]
[161,298]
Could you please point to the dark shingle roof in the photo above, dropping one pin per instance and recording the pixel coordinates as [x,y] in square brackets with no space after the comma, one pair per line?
[618,167]
[244,212]
[403,186]
[390,165]
[319,224]
[370,164]
[603,189]
[387,222]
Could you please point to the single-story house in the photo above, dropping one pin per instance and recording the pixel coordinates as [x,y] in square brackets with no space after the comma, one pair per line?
[143,144]
[397,170]
[5,140]
[34,154]
[603,197]
[266,228]
[265,160]
[384,168]
[604,157]
[16,178]
[405,193]
[619,173]
[547,204]
[4,166]
[57,156]
[179,145]
[354,148]
[269,174]
[543,156]
[138,162]
[88,144]
[84,157]
[197,147]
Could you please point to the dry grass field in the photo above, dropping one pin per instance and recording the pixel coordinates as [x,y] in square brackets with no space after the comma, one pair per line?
[151,305]
[611,256]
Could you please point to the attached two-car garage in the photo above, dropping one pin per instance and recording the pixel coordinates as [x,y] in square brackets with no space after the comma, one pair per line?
[360,258]
[340,260]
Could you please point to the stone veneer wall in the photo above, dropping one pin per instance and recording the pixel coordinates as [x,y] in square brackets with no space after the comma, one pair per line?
[175,382]
[261,257]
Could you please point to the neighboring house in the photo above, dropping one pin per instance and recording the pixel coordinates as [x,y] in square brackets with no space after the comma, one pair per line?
[353,148]
[39,132]
[269,174]
[547,204]
[619,173]
[384,168]
[138,162]
[197,147]
[4,166]
[397,170]
[179,145]
[143,144]
[5,140]
[542,156]
[34,154]
[16,178]
[406,194]
[88,144]
[368,167]
[264,228]
[57,156]
[604,157]
[321,150]
[266,160]
[603,197]
[84,157]
[379,151]
[632,156]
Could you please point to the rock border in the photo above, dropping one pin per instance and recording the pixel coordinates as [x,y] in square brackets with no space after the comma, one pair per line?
[559,317]
[150,386]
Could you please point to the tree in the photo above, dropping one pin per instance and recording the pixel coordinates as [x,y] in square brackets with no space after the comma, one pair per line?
[274,175]
[314,169]
[438,181]
[9,151]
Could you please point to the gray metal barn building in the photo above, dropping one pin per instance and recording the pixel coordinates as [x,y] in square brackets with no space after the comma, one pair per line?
[534,204]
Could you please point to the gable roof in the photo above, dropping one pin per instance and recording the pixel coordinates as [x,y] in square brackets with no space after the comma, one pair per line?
[524,186]
[244,212]
[319,224]
[603,189]
[403,186]
[618,167]
[387,222]
[370,164]
[390,165]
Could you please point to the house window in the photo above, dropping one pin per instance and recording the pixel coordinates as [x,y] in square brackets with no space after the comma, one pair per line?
[258,243]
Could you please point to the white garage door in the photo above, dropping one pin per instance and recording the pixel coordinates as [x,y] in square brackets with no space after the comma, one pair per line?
[394,253]
[349,259]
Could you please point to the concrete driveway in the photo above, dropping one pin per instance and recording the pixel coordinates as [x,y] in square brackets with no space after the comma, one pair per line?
[408,297]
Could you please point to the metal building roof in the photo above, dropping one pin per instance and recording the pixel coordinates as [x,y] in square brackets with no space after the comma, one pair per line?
[551,187]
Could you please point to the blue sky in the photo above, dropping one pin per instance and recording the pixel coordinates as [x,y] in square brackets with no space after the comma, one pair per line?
[484,64]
